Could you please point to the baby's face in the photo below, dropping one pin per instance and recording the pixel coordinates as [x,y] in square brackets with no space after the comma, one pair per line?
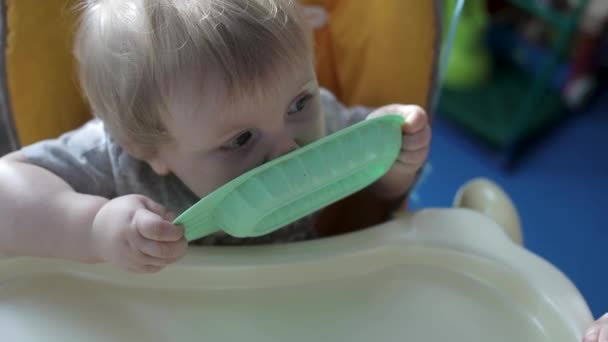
[217,138]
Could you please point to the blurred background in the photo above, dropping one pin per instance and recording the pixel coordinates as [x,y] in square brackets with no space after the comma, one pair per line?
[525,103]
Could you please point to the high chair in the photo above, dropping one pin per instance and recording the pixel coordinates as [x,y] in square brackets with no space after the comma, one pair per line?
[458,274]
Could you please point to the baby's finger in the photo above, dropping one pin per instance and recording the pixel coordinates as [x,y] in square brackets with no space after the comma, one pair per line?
[415,120]
[413,157]
[413,142]
[599,331]
[151,205]
[591,337]
[157,209]
[163,250]
[603,336]
[153,227]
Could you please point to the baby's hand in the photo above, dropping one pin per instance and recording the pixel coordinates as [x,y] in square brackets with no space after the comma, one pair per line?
[598,331]
[414,151]
[136,234]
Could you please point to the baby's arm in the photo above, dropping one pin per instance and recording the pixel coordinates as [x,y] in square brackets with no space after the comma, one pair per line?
[43,216]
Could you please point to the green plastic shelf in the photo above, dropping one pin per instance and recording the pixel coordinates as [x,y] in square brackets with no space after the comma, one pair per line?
[490,111]
[515,107]
[544,12]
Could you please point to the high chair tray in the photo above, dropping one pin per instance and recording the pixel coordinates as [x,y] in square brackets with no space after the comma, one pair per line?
[436,275]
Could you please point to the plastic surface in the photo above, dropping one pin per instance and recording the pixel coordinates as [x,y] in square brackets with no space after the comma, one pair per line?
[299,183]
[487,198]
[436,275]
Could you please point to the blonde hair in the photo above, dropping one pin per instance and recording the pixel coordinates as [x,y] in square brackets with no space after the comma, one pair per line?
[132,53]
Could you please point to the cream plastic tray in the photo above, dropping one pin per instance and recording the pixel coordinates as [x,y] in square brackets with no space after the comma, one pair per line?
[436,275]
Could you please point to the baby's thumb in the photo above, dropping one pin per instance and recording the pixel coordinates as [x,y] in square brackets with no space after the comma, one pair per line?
[158,209]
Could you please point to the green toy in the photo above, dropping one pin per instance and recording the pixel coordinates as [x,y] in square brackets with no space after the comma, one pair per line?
[299,183]
[469,61]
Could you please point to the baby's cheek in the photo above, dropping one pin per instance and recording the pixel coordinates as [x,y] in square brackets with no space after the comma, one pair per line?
[202,178]
[310,131]
[201,186]
[309,137]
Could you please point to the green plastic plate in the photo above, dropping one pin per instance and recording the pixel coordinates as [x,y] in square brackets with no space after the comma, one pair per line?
[297,184]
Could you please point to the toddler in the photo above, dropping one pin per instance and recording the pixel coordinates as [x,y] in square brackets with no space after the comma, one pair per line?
[187,94]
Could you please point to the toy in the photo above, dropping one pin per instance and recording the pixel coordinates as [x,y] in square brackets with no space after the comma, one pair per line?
[299,183]
[469,61]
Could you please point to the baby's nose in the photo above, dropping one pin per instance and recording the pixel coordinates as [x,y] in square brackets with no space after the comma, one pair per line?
[281,146]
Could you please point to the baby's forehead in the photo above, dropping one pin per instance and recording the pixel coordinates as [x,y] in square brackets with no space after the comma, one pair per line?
[212,92]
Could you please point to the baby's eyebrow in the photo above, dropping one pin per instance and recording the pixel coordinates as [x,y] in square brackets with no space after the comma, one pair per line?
[230,116]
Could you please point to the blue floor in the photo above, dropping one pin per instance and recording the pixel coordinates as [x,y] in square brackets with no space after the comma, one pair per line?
[560,189]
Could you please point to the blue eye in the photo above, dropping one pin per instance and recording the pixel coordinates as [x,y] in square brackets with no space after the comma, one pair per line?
[238,142]
[299,105]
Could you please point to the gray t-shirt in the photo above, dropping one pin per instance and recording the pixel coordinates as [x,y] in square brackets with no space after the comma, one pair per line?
[90,161]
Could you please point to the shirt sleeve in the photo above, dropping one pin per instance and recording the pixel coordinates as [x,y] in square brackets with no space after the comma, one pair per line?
[80,158]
